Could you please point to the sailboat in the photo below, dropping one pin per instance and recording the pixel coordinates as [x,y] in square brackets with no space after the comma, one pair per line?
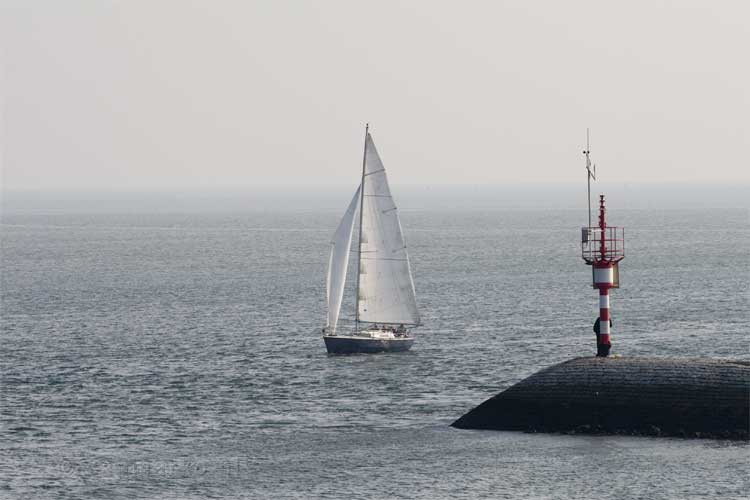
[385,301]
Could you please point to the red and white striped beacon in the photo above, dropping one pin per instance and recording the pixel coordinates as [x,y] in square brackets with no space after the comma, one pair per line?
[602,247]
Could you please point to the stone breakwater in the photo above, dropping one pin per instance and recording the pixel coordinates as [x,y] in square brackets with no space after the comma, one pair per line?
[695,398]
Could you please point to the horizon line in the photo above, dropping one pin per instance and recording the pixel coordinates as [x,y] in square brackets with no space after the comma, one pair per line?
[306,187]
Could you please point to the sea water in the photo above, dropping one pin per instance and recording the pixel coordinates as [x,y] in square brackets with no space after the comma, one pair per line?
[178,356]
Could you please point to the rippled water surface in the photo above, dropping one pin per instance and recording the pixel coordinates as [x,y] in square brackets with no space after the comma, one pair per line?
[177,356]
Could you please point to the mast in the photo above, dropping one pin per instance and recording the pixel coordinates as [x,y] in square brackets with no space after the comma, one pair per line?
[359,241]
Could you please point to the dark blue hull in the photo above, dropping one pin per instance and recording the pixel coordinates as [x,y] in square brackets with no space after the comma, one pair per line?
[354,345]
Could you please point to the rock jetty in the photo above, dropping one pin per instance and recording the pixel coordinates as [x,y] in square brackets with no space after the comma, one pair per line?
[693,397]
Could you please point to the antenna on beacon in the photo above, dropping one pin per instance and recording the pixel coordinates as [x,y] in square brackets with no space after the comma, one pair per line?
[589,174]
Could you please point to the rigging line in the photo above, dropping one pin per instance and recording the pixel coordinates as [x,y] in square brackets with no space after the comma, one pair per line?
[380,258]
[397,323]
[372,322]
[394,272]
[413,295]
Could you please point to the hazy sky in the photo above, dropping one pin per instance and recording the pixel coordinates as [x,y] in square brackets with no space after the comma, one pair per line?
[216,94]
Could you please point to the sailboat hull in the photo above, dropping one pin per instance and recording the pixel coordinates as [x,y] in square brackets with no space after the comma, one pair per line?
[354,345]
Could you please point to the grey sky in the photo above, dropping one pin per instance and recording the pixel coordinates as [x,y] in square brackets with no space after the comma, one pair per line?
[177,94]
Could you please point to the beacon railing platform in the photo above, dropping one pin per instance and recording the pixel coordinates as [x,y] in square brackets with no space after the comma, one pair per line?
[598,245]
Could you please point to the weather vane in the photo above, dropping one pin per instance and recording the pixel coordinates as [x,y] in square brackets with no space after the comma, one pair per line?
[591,173]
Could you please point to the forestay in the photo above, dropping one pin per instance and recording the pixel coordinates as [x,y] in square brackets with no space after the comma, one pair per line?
[339,261]
[386,290]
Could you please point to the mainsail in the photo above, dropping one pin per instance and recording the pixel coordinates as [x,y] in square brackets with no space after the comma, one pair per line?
[386,290]
[339,261]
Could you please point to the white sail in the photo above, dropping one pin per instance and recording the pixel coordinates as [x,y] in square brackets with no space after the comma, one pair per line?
[386,290]
[339,261]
